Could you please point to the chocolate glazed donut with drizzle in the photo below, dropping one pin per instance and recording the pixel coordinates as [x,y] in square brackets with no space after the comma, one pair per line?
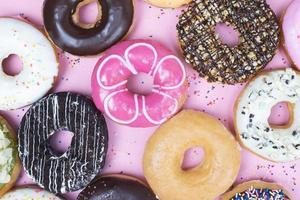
[86,155]
[62,24]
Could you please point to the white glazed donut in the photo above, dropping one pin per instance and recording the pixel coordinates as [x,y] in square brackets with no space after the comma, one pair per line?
[29,193]
[253,108]
[40,66]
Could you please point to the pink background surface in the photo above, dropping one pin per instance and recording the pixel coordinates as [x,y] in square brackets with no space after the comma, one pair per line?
[127,144]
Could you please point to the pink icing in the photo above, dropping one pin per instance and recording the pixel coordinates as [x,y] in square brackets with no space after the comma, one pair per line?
[291,31]
[139,83]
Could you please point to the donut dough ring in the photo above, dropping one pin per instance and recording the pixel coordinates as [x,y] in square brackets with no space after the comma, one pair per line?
[165,150]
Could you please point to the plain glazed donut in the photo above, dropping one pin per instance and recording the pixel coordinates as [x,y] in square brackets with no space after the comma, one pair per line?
[29,193]
[253,108]
[165,151]
[291,32]
[139,83]
[259,38]
[117,187]
[62,24]
[40,65]
[9,160]
[168,3]
[257,190]
[85,157]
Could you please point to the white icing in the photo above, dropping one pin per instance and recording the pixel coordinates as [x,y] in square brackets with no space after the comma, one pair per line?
[4,142]
[5,162]
[280,145]
[40,65]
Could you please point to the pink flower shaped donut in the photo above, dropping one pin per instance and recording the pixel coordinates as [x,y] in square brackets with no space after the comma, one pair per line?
[139,83]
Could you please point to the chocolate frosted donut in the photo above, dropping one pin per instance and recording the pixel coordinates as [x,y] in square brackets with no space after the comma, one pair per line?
[61,20]
[86,155]
[258,38]
[116,187]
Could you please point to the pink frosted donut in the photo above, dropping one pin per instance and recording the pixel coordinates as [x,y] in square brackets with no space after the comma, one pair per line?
[139,83]
[291,31]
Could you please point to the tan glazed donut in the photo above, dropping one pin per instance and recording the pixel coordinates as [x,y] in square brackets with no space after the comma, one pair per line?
[165,151]
[257,190]
[168,3]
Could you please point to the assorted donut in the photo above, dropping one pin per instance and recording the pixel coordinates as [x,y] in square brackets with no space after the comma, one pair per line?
[40,64]
[165,151]
[253,108]
[10,166]
[86,155]
[217,62]
[140,83]
[117,187]
[64,28]
[29,193]
[257,190]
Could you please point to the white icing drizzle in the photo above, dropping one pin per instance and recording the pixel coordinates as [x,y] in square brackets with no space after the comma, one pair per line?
[254,109]
[84,159]
[40,66]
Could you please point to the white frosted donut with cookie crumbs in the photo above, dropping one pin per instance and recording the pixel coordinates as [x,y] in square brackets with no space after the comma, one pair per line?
[253,108]
[9,161]
[40,66]
[29,194]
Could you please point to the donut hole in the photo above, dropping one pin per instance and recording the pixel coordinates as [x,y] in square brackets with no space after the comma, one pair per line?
[141,84]
[281,116]
[12,65]
[88,14]
[59,142]
[227,34]
[193,157]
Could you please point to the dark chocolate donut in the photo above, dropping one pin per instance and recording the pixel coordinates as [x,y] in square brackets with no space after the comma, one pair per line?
[86,155]
[258,28]
[114,22]
[116,187]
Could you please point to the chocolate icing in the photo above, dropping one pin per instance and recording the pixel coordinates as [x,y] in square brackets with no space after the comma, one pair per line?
[117,18]
[86,155]
[116,188]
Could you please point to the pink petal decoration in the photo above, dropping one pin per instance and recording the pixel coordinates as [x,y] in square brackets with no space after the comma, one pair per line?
[113,72]
[142,57]
[169,73]
[122,106]
[158,107]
